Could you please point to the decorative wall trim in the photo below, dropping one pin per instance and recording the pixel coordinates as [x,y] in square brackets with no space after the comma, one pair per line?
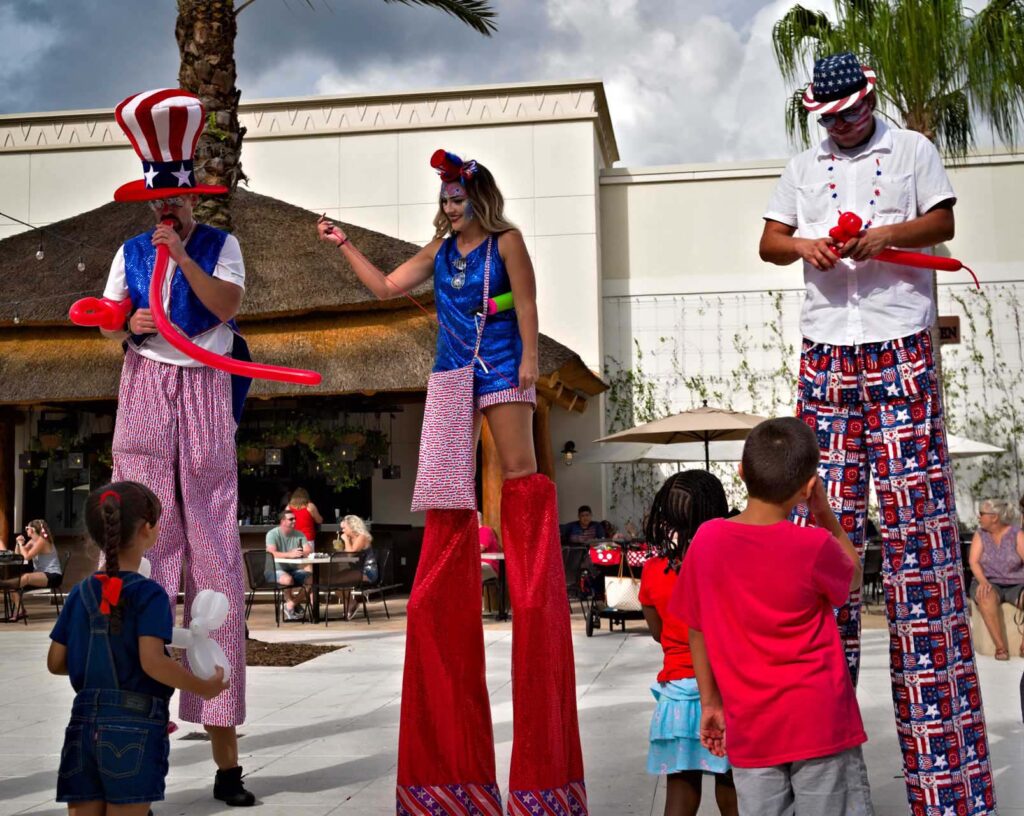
[485,105]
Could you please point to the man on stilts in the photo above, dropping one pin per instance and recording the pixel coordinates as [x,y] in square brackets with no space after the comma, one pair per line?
[176,418]
[868,387]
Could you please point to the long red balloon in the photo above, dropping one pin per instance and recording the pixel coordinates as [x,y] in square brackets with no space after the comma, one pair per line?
[849,227]
[243,368]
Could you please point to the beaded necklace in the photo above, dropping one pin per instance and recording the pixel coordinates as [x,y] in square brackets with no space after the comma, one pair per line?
[876,188]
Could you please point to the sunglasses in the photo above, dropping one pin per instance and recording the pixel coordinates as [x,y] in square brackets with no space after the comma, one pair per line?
[852,115]
[159,204]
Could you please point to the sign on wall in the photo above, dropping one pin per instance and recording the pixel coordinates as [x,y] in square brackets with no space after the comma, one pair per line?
[949,330]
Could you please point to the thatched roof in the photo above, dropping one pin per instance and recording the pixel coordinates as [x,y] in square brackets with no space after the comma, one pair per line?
[356,353]
[288,271]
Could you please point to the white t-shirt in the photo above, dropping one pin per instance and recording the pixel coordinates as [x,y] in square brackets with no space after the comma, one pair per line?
[863,301]
[218,340]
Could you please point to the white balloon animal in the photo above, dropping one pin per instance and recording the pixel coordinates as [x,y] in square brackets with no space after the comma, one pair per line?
[209,610]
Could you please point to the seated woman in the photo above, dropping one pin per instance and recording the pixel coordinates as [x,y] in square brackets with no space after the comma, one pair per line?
[997,561]
[44,571]
[357,538]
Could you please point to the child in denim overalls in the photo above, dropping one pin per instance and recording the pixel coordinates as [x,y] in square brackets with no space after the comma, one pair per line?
[110,638]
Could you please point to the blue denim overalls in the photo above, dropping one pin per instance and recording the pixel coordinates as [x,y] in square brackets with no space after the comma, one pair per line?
[116,746]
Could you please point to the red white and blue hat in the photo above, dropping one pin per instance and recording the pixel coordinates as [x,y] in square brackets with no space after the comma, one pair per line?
[163,127]
[840,82]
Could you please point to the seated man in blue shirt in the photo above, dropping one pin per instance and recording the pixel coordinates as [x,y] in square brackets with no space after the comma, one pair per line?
[284,541]
[586,529]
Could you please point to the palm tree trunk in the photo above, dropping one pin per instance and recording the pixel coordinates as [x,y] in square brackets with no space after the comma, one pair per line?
[206,31]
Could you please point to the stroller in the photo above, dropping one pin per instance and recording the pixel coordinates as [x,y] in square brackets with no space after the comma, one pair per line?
[586,571]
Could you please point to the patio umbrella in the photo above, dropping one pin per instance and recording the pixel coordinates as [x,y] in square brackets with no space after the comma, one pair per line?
[962,448]
[703,424]
[633,453]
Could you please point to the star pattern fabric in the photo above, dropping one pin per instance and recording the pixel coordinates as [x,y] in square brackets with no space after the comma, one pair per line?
[877,406]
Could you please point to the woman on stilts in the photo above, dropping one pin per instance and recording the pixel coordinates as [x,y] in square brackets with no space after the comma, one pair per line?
[485,365]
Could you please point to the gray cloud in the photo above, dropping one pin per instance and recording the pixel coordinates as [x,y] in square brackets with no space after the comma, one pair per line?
[686,82]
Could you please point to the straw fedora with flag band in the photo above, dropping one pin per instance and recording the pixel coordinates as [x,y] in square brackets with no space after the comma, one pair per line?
[163,126]
[840,82]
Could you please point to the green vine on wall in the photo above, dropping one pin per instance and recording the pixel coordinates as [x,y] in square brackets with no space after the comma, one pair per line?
[983,385]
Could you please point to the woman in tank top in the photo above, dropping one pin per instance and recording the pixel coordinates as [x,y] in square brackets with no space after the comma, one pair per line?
[997,561]
[44,572]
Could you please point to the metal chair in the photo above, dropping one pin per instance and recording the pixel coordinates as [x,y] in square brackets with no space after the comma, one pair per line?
[872,579]
[56,593]
[344,576]
[11,560]
[573,559]
[258,565]
[383,584]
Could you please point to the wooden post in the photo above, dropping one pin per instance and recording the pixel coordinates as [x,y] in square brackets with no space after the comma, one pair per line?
[7,465]
[490,477]
[542,437]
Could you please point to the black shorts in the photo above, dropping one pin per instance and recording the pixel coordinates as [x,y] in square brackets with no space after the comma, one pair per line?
[53,579]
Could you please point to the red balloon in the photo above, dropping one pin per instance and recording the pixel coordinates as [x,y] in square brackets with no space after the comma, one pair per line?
[170,333]
[849,227]
[103,312]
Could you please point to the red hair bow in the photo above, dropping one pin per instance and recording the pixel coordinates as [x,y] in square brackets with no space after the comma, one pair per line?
[111,591]
[451,168]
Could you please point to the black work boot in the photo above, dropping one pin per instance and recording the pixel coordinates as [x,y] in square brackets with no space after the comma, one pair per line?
[229,789]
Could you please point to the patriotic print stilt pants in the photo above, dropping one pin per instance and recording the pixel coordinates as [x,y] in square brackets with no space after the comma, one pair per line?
[175,433]
[877,406]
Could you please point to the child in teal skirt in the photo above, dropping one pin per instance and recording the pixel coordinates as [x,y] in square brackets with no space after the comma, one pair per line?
[683,503]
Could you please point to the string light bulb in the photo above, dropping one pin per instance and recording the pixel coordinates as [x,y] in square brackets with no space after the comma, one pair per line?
[39,252]
[81,265]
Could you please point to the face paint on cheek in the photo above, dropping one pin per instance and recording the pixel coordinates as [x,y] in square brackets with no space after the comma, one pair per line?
[468,212]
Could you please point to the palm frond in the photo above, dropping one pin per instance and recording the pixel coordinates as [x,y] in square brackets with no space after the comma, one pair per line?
[798,127]
[950,117]
[794,38]
[995,66]
[477,14]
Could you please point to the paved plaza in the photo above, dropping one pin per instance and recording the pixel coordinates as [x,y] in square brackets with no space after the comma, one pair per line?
[321,737]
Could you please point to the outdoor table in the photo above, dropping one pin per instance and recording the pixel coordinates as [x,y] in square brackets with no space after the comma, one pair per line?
[500,558]
[11,569]
[316,561]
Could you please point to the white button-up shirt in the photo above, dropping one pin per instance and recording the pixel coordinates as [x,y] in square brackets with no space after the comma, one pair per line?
[863,301]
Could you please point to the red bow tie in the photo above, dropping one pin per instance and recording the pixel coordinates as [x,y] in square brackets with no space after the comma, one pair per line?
[111,592]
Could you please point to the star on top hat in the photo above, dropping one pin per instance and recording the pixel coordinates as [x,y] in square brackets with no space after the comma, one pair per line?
[840,82]
[163,127]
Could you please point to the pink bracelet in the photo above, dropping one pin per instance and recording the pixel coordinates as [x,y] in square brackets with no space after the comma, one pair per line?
[343,242]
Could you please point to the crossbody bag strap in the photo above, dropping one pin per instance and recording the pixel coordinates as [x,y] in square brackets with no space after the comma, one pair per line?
[482,317]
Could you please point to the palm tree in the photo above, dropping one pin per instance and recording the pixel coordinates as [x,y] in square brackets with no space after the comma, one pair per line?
[938,64]
[205,31]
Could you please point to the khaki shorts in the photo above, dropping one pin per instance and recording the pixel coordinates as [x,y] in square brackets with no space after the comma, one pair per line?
[835,785]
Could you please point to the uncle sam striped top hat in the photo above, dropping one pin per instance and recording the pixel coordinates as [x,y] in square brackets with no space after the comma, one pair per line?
[163,127]
[840,82]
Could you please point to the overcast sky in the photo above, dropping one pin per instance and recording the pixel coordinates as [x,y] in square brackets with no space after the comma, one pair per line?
[687,80]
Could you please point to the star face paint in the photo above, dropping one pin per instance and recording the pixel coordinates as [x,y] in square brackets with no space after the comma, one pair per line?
[452,189]
[455,204]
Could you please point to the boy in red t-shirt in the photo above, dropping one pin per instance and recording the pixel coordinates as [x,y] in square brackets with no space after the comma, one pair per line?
[757,592]
[683,504]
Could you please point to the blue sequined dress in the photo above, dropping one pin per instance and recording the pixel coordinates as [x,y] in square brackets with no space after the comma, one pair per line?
[501,348]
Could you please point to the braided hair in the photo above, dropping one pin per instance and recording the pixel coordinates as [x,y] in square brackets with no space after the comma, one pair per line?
[683,503]
[113,515]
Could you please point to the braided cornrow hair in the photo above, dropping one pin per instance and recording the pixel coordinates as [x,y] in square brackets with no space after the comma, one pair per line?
[113,515]
[683,503]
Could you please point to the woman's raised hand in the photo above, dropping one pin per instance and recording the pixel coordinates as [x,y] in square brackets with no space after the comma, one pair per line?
[329,231]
